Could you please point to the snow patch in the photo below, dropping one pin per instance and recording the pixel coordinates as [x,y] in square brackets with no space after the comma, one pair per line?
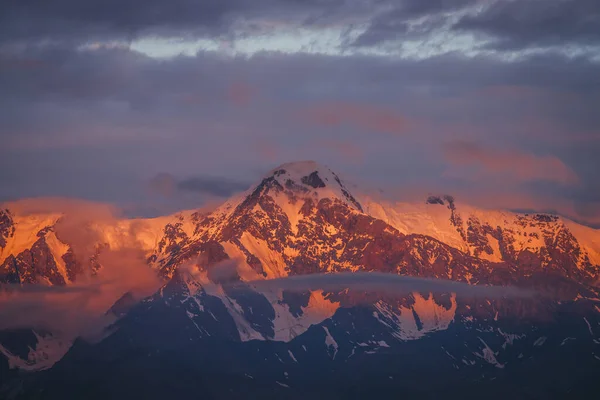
[273,263]
[566,340]
[488,355]
[288,326]
[48,350]
[58,249]
[330,342]
[589,326]
[292,356]
[431,317]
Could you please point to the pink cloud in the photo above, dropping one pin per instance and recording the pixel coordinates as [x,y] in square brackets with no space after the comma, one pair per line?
[363,116]
[241,94]
[472,161]
[21,63]
[267,150]
[508,91]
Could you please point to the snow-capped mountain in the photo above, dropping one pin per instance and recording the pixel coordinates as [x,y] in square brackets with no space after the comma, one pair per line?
[302,219]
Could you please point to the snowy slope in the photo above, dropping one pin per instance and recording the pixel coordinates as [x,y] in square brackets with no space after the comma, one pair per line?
[47,350]
[26,228]
[469,229]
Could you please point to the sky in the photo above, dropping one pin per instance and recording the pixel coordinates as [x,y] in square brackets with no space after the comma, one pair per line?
[160,105]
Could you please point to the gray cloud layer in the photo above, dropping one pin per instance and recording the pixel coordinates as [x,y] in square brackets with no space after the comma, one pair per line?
[399,21]
[102,121]
[79,309]
[168,185]
[510,24]
[73,21]
[535,23]
[387,284]
[66,19]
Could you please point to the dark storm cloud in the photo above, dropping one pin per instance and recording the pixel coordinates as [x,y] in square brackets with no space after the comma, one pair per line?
[537,23]
[74,21]
[67,19]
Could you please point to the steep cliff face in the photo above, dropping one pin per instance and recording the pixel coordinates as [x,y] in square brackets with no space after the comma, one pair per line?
[7,227]
[29,250]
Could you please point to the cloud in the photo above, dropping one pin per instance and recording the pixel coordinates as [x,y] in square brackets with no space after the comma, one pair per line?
[385,284]
[77,208]
[473,161]
[241,94]
[13,62]
[100,123]
[79,310]
[362,116]
[222,187]
[351,152]
[168,185]
[237,276]
[18,288]
[409,19]
[65,19]
[163,184]
[68,20]
[515,25]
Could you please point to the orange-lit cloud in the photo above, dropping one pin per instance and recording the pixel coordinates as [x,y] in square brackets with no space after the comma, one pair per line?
[363,116]
[80,309]
[472,161]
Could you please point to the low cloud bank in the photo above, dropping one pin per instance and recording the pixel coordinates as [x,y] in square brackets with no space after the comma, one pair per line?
[387,284]
[79,309]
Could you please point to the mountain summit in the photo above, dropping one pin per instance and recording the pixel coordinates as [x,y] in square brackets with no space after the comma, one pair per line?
[309,178]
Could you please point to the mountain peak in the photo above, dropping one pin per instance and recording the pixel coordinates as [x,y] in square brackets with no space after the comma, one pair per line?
[305,166]
[308,173]
[310,176]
